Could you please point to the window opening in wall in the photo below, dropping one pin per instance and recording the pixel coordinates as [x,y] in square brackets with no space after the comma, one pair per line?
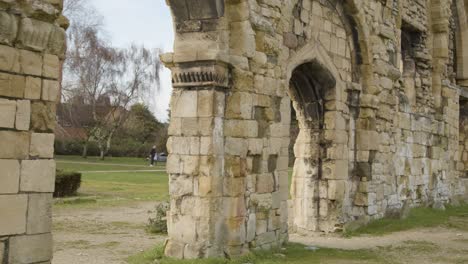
[412,65]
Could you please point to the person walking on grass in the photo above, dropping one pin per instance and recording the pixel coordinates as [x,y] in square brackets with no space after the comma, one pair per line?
[153,156]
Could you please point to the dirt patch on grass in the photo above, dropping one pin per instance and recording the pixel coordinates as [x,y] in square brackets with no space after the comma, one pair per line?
[110,235]
[431,245]
[102,236]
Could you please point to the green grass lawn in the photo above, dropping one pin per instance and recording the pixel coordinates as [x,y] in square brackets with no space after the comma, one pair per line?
[452,217]
[107,160]
[115,181]
[292,254]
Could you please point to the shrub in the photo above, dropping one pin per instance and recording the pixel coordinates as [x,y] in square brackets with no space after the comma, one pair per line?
[158,224]
[74,147]
[67,183]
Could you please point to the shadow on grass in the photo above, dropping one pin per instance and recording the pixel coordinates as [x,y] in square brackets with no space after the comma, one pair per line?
[452,217]
[292,254]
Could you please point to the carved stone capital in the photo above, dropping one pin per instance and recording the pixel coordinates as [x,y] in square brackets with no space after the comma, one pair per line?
[201,75]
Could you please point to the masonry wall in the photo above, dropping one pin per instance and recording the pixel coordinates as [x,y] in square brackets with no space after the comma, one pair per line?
[32,43]
[463,152]
[385,72]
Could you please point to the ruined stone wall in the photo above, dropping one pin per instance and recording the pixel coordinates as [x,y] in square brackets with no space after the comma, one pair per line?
[31,48]
[377,106]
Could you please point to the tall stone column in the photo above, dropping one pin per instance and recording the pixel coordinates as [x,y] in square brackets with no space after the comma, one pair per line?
[196,156]
[32,44]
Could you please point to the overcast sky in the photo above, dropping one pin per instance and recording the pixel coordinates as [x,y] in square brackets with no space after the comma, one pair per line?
[146,22]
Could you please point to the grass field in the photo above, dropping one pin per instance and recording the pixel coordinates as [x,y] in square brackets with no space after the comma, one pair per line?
[292,254]
[452,217]
[115,180]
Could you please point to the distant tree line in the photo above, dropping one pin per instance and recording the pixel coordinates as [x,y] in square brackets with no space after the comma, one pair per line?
[105,91]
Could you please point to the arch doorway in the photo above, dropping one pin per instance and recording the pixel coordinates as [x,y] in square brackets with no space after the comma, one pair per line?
[313,188]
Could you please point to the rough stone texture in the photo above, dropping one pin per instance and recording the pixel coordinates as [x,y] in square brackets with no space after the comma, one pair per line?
[13,208]
[39,213]
[42,145]
[12,85]
[50,90]
[23,115]
[37,176]
[33,88]
[7,113]
[374,86]
[32,48]
[30,248]
[10,176]
[43,116]
[18,150]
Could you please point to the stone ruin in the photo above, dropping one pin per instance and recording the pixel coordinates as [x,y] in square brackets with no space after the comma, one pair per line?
[379,89]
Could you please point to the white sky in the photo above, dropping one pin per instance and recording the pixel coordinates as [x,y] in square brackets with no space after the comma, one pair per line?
[146,22]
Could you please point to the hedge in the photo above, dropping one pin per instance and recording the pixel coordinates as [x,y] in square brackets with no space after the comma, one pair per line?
[119,148]
[67,183]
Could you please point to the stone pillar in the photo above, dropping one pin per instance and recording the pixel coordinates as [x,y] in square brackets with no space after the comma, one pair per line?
[196,156]
[32,45]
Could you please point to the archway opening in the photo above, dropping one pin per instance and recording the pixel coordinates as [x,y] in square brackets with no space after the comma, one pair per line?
[312,87]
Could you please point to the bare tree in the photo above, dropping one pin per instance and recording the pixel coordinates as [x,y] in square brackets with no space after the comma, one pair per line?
[137,75]
[109,80]
[105,80]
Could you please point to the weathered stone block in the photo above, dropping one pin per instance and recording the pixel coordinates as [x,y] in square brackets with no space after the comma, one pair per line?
[9,59]
[12,85]
[37,176]
[15,145]
[34,34]
[7,113]
[184,145]
[42,145]
[206,104]
[183,104]
[174,249]
[51,66]
[241,128]
[367,140]
[336,170]
[265,183]
[56,44]
[336,190]
[43,116]
[50,90]
[39,213]
[244,43]
[180,185]
[237,231]
[23,114]
[239,106]
[9,28]
[10,176]
[32,88]
[30,62]
[30,249]
[13,208]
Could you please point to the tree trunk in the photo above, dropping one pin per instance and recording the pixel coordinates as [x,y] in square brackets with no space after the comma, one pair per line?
[85,150]
[108,142]
[101,149]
